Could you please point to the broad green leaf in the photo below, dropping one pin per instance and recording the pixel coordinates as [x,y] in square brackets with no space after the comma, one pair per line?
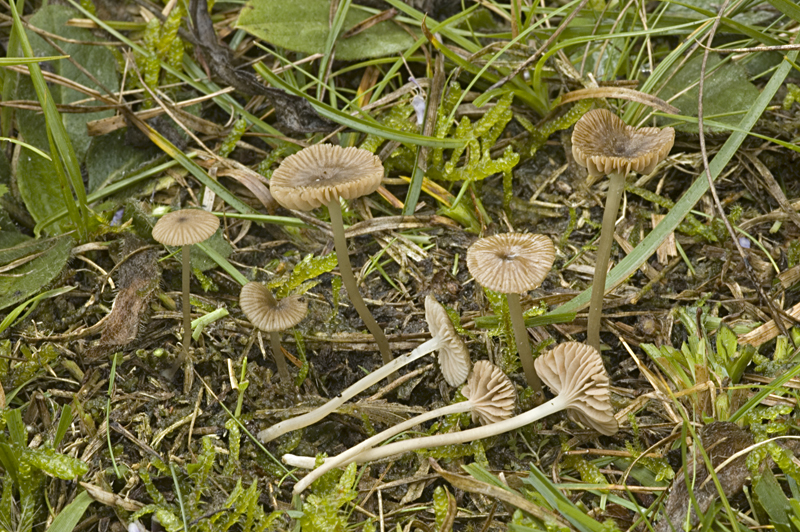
[38,182]
[727,94]
[303,26]
[772,499]
[111,158]
[68,518]
[28,279]
[787,7]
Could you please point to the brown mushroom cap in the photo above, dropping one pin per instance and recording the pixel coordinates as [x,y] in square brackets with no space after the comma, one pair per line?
[314,176]
[492,393]
[255,302]
[453,354]
[185,227]
[604,144]
[511,263]
[576,370]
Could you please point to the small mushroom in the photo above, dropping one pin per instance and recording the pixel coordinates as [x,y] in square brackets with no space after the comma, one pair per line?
[184,228]
[490,398]
[320,175]
[453,355]
[272,316]
[575,371]
[513,263]
[605,145]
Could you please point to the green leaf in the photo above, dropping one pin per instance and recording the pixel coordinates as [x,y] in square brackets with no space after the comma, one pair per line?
[560,503]
[110,159]
[771,498]
[727,94]
[67,520]
[302,26]
[27,279]
[55,464]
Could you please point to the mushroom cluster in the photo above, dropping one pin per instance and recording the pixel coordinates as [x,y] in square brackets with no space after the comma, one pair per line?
[453,359]
[572,370]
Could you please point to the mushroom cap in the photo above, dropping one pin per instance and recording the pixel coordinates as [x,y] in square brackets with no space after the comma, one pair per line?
[453,354]
[577,370]
[185,227]
[511,263]
[604,144]
[255,302]
[314,176]
[492,393]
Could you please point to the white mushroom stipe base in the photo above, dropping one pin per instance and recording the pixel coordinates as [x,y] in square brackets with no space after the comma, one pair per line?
[490,398]
[573,369]
[444,339]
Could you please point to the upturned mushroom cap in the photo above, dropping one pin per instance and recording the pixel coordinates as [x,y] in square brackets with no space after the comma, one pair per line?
[604,144]
[574,370]
[314,176]
[511,263]
[453,354]
[185,227]
[492,393]
[255,302]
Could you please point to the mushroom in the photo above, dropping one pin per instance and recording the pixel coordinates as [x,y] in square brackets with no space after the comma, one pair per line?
[320,175]
[573,369]
[513,263]
[184,228]
[490,398]
[453,358]
[272,316]
[605,145]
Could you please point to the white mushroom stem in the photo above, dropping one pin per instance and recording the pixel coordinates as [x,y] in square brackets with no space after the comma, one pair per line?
[275,344]
[346,457]
[440,440]
[615,189]
[373,378]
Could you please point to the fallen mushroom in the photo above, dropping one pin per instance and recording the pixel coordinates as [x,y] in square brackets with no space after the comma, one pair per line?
[490,398]
[574,370]
[453,358]
[272,316]
[513,263]
[184,228]
[320,175]
[605,145]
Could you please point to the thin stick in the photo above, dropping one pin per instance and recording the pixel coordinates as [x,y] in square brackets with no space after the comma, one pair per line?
[613,198]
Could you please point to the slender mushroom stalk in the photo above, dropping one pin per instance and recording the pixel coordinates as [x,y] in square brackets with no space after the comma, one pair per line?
[320,175]
[453,358]
[184,228]
[605,145]
[513,263]
[575,371]
[490,398]
[272,316]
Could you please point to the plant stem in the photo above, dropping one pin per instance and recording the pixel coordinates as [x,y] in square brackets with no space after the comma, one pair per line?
[524,345]
[349,280]
[344,459]
[453,438]
[375,377]
[615,188]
